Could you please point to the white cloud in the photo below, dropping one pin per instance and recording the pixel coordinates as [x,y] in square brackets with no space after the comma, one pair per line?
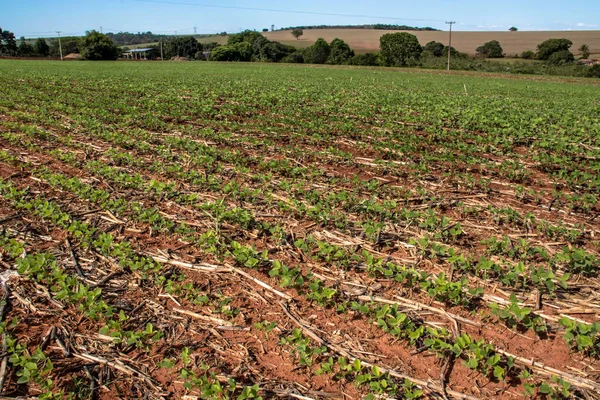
[584,25]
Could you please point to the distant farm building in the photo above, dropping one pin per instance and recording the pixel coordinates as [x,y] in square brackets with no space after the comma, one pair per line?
[138,54]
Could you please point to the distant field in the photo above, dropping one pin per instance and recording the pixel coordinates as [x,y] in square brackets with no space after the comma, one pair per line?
[365,40]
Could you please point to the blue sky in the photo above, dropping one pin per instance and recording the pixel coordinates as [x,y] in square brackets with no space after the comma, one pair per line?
[33,18]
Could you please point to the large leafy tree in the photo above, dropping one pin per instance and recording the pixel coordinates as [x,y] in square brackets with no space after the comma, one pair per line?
[318,53]
[275,52]
[491,49]
[96,46]
[241,51]
[297,33]
[41,48]
[551,46]
[182,46]
[400,50]
[434,48]
[561,57]
[8,43]
[340,52]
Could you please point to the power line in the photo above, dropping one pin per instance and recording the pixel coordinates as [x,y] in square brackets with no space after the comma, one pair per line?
[286,11]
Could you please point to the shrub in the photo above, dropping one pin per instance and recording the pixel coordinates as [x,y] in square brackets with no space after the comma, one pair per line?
[318,53]
[185,46]
[561,57]
[434,48]
[295,58]
[400,50]
[491,49]
[366,59]
[528,55]
[340,52]
[97,46]
[593,71]
[551,46]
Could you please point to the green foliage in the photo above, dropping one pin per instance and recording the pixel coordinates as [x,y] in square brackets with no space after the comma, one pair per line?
[247,36]
[318,53]
[551,46]
[593,71]
[241,51]
[584,50]
[182,46]
[41,48]
[69,45]
[365,59]
[515,316]
[400,50]
[434,48]
[561,57]
[583,337]
[96,46]
[528,55]
[340,52]
[491,49]
[301,346]
[297,33]
[275,51]
[8,43]
[25,49]
[577,261]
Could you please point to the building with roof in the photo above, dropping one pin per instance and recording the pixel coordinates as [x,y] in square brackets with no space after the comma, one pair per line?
[138,54]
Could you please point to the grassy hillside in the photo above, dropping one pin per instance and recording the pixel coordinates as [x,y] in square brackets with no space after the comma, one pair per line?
[363,40]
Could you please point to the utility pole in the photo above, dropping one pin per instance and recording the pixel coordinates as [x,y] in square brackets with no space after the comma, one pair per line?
[450,42]
[60,46]
[101,30]
[162,57]
[195,30]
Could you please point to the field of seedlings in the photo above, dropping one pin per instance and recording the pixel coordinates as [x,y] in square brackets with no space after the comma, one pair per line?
[254,231]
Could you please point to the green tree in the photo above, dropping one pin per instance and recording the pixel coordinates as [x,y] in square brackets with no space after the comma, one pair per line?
[25,49]
[275,51]
[551,46]
[8,43]
[318,53]
[365,59]
[491,49]
[584,50]
[245,36]
[513,29]
[400,50]
[182,46]
[528,55]
[241,51]
[593,71]
[297,33]
[340,52]
[41,48]
[434,48]
[69,45]
[97,46]
[296,57]
[561,57]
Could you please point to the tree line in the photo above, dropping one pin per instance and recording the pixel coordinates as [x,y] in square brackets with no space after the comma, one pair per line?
[400,49]
[386,27]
